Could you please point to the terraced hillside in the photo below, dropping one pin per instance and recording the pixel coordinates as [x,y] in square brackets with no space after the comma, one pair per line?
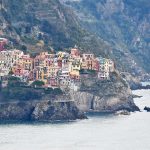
[116,29]
[31,21]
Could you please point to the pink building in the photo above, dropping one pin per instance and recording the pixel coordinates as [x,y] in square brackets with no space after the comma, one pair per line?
[75,52]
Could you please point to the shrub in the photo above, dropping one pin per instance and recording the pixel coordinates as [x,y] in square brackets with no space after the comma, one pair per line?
[38,83]
[22,94]
[15,82]
[48,91]
[57,91]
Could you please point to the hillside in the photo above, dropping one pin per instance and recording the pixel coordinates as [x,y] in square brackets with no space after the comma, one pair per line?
[124,24]
[29,22]
[116,29]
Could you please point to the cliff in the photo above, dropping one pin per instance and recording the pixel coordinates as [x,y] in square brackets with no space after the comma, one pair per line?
[133,81]
[94,95]
[104,96]
[40,111]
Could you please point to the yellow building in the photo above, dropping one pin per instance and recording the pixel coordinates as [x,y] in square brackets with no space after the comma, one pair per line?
[28,63]
[40,74]
[74,68]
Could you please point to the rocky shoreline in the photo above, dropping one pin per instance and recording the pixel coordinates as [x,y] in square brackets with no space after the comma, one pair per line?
[93,96]
[140,87]
[40,111]
[58,111]
[147,108]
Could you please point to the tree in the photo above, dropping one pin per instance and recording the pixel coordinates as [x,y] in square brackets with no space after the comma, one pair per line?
[57,91]
[38,83]
[15,82]
[24,48]
[48,91]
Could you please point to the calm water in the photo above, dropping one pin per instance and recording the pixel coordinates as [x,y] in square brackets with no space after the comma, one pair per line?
[98,132]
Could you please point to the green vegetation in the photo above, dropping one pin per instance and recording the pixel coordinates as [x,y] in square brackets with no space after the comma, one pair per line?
[17,90]
[51,91]
[20,91]
[21,94]
[15,82]
[38,83]
[87,71]
[57,32]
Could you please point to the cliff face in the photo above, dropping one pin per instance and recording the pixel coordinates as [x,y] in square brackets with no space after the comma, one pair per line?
[104,96]
[40,111]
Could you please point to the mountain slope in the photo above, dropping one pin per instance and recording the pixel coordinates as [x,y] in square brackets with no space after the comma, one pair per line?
[116,29]
[125,24]
[30,21]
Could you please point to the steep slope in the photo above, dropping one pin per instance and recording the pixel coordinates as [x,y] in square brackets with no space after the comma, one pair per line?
[125,24]
[40,24]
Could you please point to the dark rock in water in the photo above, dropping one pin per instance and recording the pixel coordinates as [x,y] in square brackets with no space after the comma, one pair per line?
[147,109]
[145,87]
[136,96]
[40,111]
[140,87]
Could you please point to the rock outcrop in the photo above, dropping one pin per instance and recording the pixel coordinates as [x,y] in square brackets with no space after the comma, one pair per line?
[133,81]
[40,111]
[104,96]
[147,109]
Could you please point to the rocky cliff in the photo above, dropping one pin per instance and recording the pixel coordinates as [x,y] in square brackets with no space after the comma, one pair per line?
[94,96]
[40,111]
[104,96]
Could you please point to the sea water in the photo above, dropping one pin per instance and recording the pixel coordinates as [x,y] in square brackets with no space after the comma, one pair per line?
[99,132]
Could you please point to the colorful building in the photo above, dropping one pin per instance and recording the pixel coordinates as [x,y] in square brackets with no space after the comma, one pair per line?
[60,69]
[88,61]
[105,67]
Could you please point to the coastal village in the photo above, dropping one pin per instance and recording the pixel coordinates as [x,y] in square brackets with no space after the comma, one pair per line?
[53,69]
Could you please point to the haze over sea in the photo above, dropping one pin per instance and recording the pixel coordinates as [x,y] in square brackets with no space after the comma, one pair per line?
[105,132]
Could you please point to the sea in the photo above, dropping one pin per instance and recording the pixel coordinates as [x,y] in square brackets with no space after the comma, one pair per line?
[99,132]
